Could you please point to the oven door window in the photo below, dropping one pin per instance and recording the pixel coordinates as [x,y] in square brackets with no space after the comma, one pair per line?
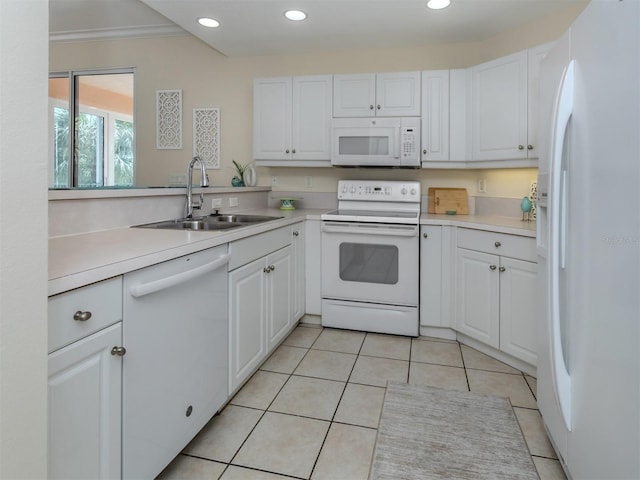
[369,263]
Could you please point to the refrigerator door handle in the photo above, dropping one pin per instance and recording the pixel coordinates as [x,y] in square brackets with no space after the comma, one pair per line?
[557,229]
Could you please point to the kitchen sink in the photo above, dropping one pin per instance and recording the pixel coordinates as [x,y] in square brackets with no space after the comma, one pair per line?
[212,222]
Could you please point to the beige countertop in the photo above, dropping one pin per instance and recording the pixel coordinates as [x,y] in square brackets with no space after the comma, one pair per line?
[78,260]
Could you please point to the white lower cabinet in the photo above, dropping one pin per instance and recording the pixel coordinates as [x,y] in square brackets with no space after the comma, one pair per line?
[495,293]
[260,302]
[85,382]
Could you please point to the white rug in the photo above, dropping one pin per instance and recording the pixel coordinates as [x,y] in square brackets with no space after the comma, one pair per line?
[431,433]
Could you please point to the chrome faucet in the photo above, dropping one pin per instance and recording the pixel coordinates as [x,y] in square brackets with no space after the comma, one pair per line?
[204,182]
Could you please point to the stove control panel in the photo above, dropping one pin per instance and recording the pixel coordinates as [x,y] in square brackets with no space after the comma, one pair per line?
[382,191]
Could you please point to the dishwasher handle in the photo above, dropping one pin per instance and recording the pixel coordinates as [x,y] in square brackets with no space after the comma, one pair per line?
[142,289]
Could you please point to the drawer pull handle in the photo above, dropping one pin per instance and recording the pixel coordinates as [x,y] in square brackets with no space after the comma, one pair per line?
[502,269]
[81,316]
[498,244]
[492,267]
[119,351]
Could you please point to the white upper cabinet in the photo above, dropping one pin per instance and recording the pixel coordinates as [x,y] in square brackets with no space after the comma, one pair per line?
[499,108]
[292,121]
[435,116]
[504,107]
[394,94]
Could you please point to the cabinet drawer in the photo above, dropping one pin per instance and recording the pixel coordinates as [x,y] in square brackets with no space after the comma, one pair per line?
[251,248]
[103,300]
[503,244]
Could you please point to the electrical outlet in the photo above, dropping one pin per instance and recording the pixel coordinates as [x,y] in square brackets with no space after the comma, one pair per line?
[233,202]
[482,185]
[274,181]
[216,203]
[308,181]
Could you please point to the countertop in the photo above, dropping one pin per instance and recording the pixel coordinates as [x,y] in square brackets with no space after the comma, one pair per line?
[79,260]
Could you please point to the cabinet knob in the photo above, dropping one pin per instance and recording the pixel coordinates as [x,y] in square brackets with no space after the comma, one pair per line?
[492,267]
[502,269]
[424,152]
[266,269]
[425,235]
[498,244]
[81,316]
[286,151]
[529,147]
[293,151]
[189,411]
[379,107]
[370,107]
[520,147]
[119,351]
[296,233]
[272,268]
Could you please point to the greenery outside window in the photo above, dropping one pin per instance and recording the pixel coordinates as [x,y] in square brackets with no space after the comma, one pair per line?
[101,140]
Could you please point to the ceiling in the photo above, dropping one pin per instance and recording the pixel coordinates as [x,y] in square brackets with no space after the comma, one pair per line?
[258,27]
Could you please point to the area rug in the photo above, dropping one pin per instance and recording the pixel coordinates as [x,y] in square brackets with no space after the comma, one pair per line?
[432,433]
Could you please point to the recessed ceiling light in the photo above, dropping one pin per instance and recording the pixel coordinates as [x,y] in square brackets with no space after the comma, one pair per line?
[295,15]
[438,4]
[208,22]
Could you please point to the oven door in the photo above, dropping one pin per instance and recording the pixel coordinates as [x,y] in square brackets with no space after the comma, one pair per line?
[368,262]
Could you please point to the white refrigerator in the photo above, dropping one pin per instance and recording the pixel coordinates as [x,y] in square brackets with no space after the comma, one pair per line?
[589,243]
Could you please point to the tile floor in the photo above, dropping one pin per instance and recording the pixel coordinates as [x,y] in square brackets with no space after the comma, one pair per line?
[312,410]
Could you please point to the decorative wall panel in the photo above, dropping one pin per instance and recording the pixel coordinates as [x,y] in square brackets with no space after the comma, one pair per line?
[169,119]
[206,136]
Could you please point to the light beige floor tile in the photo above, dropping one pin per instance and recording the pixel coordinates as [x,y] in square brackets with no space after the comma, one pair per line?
[283,444]
[439,353]
[302,337]
[479,361]
[327,365]
[285,359]
[503,385]
[260,390]
[377,371]
[346,453]
[435,339]
[309,397]
[441,376]
[240,473]
[184,467]
[387,346]
[549,469]
[344,341]
[534,432]
[360,405]
[221,438]
[533,383]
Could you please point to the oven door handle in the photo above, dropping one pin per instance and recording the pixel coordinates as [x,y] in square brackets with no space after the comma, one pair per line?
[390,230]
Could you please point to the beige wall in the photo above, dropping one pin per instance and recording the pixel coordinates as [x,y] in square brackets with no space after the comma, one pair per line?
[209,79]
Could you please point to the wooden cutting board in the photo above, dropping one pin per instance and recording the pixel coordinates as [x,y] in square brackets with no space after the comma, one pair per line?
[443,200]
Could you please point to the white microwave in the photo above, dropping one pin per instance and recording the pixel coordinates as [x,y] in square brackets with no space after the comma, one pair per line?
[375,142]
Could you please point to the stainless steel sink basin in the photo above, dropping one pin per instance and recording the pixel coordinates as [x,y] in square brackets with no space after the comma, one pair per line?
[213,222]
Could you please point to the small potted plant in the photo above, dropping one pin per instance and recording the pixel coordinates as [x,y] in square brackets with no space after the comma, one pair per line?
[238,180]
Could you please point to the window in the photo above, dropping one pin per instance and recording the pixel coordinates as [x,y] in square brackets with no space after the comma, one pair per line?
[101,139]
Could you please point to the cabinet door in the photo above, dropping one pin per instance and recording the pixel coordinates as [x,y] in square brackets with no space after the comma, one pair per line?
[534,58]
[272,118]
[435,115]
[354,95]
[431,259]
[499,108]
[279,296]
[312,100]
[398,94]
[247,317]
[298,281]
[477,296]
[85,407]
[518,309]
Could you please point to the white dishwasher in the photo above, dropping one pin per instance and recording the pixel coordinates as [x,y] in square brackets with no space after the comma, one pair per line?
[175,332]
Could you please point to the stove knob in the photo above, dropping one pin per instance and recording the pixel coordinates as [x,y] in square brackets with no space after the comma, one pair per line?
[413,191]
[344,189]
[403,191]
[352,189]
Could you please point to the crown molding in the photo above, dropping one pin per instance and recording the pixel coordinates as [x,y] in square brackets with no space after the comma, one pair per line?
[116,33]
